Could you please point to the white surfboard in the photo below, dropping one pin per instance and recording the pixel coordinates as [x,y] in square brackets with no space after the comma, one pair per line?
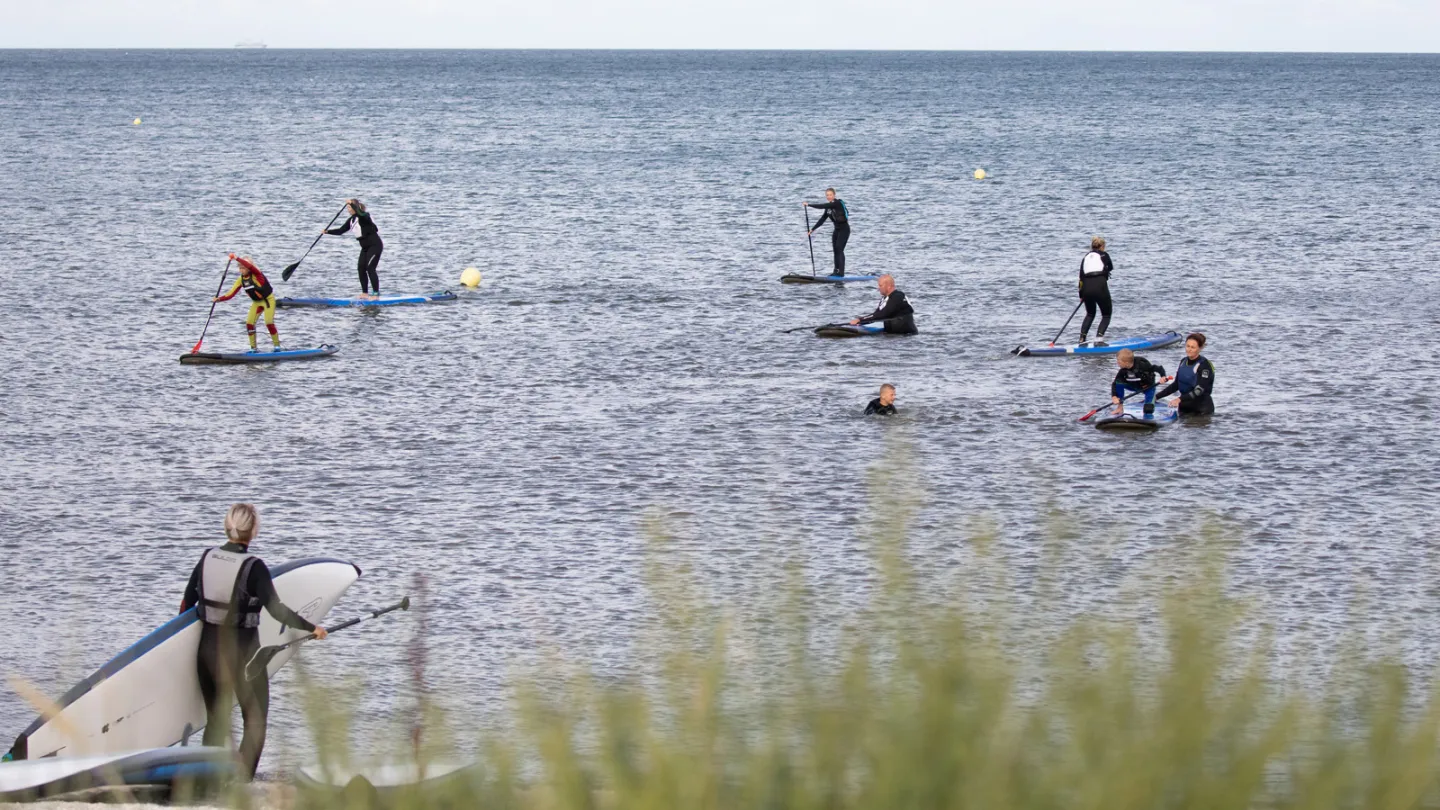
[52,776]
[149,695]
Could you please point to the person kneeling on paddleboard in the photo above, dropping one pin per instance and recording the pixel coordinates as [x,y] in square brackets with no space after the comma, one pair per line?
[1095,271]
[1194,379]
[894,311]
[262,299]
[836,212]
[231,586]
[1135,374]
[883,405]
[370,245]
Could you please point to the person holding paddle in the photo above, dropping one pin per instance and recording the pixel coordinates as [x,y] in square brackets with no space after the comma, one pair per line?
[262,299]
[1136,375]
[836,212]
[229,587]
[370,245]
[1095,271]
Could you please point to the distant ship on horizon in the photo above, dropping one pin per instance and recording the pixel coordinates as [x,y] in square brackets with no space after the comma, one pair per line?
[251,45]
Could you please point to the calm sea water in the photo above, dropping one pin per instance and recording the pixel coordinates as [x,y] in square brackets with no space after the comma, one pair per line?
[631,213]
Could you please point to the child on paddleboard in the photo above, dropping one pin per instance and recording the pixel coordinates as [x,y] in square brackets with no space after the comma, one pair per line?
[1135,374]
[262,299]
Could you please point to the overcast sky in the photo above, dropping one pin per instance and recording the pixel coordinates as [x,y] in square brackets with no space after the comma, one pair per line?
[1231,25]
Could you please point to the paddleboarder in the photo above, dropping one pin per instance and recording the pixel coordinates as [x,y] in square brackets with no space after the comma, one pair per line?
[894,311]
[1095,269]
[1194,380]
[883,405]
[370,245]
[836,212]
[231,586]
[262,299]
[1135,374]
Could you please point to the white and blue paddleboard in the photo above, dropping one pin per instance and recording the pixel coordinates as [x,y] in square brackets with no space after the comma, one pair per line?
[382,301]
[388,781]
[50,777]
[797,278]
[246,358]
[149,695]
[1133,416]
[846,330]
[1097,346]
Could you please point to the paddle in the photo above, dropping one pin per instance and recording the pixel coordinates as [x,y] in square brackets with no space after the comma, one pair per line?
[218,290]
[1108,404]
[811,239]
[261,659]
[290,271]
[1067,322]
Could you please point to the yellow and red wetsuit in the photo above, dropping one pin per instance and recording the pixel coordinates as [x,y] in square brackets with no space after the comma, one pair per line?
[262,299]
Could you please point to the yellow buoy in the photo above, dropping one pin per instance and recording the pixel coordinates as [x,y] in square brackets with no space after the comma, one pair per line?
[137,122]
[471,277]
[979,174]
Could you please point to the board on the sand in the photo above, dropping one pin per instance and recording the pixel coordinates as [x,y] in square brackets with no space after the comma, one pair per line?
[243,358]
[53,777]
[797,278]
[149,695]
[363,785]
[382,301]
[846,330]
[1099,346]
[1134,418]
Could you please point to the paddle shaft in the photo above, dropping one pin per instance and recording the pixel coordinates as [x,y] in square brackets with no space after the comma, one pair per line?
[290,271]
[218,290]
[263,655]
[1067,322]
[1099,408]
[803,328]
[811,239]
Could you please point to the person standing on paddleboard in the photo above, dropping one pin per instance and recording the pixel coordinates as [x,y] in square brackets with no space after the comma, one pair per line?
[836,212]
[370,245]
[894,311]
[1194,379]
[1095,271]
[231,586]
[262,299]
[1136,374]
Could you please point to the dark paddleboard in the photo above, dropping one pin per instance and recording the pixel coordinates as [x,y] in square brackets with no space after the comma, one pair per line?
[246,358]
[1111,346]
[382,301]
[1133,417]
[796,278]
[845,330]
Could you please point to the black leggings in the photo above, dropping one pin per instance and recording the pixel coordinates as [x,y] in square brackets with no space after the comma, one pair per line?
[369,264]
[838,238]
[221,667]
[1094,291]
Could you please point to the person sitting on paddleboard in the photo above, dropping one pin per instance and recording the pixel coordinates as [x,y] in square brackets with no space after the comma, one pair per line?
[262,299]
[836,212]
[1135,374]
[1194,379]
[1095,271]
[894,311]
[370,246]
[231,586]
[883,405]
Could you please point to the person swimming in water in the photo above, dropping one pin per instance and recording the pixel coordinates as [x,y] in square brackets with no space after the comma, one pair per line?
[262,299]
[883,405]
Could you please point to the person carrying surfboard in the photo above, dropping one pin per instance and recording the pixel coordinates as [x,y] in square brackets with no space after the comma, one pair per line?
[1136,374]
[262,299]
[230,586]
[836,212]
[370,245]
[894,311]
[883,405]
[1095,269]
[1194,380]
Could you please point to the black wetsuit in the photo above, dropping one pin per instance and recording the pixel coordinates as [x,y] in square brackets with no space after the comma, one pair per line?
[370,249]
[876,409]
[1139,377]
[1195,380]
[224,651]
[835,212]
[1095,292]
[896,313]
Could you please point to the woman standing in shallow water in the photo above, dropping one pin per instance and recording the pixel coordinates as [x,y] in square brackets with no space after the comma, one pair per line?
[370,246]
[1194,379]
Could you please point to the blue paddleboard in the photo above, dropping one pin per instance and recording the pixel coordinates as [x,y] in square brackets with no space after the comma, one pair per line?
[382,301]
[1133,417]
[242,358]
[1110,346]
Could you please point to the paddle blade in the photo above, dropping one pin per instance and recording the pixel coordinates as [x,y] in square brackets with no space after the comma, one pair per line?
[288,271]
[261,660]
[196,350]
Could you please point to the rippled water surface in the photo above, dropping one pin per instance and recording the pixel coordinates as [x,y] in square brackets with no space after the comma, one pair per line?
[631,213]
